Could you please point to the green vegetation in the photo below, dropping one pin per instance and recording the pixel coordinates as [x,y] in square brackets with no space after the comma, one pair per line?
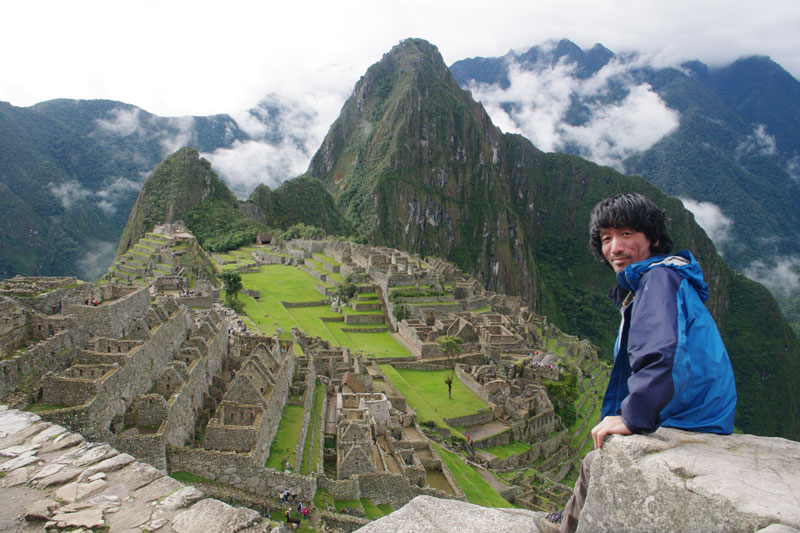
[423,391]
[373,512]
[186,477]
[451,348]
[231,284]
[507,450]
[278,283]
[477,490]
[284,446]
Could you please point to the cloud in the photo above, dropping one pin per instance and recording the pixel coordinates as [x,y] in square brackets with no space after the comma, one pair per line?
[709,216]
[284,132]
[124,121]
[115,192]
[69,193]
[179,132]
[793,168]
[780,278]
[758,143]
[96,261]
[542,105]
[246,164]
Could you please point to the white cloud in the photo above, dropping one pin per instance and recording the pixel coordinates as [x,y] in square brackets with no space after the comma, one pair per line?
[69,193]
[780,278]
[758,143]
[793,168]
[710,217]
[124,122]
[179,132]
[536,104]
[110,195]
[246,164]
[96,261]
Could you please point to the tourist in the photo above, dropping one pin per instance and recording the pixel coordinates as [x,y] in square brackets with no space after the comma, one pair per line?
[305,512]
[671,368]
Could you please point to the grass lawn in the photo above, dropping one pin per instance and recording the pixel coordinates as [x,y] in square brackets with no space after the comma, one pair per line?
[507,450]
[385,508]
[477,490]
[285,444]
[278,283]
[427,392]
[373,512]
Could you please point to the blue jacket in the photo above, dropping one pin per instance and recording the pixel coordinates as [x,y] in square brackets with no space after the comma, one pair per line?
[670,366]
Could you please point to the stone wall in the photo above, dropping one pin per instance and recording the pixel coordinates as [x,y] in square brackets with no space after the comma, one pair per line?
[308,411]
[471,420]
[363,319]
[112,318]
[240,470]
[471,384]
[117,391]
[50,355]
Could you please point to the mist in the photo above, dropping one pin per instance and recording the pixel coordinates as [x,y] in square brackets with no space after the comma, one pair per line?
[537,104]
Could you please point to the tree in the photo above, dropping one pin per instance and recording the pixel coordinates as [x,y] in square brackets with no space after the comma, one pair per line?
[450,346]
[232,283]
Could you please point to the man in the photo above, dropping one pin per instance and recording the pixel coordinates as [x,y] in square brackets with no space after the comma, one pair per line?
[670,366]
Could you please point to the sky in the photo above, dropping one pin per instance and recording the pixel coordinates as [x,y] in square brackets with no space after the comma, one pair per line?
[177,58]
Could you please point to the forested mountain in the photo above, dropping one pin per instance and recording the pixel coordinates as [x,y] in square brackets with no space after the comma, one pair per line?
[71,170]
[727,136]
[415,163]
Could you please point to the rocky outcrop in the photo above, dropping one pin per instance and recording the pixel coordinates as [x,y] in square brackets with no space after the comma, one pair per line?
[431,515]
[680,481]
[54,480]
[671,480]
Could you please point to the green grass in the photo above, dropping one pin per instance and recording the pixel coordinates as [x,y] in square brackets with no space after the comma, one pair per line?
[186,477]
[426,391]
[373,512]
[278,283]
[341,504]
[285,444]
[507,450]
[385,508]
[477,490]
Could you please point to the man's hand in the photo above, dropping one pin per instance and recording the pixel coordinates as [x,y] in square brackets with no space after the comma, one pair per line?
[609,425]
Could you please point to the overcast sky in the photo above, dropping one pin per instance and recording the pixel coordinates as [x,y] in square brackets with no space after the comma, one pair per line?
[198,58]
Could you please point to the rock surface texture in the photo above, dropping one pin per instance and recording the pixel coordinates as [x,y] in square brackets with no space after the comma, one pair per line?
[55,480]
[426,514]
[675,480]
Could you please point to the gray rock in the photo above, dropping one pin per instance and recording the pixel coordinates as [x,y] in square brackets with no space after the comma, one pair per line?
[41,510]
[682,481]
[183,498]
[62,442]
[18,462]
[89,518]
[17,477]
[426,514]
[108,465]
[214,515]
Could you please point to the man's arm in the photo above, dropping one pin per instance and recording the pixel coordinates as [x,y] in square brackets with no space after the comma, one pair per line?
[652,340]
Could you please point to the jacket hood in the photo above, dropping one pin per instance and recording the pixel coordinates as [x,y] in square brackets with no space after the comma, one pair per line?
[683,263]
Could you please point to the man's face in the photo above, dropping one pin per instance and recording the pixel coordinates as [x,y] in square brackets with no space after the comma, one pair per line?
[624,246]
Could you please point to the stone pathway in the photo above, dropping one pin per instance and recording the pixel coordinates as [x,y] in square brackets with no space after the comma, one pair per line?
[53,479]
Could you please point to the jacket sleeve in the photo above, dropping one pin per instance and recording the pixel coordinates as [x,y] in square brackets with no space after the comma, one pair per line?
[652,340]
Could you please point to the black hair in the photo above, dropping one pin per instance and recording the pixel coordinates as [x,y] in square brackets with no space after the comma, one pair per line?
[632,210]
